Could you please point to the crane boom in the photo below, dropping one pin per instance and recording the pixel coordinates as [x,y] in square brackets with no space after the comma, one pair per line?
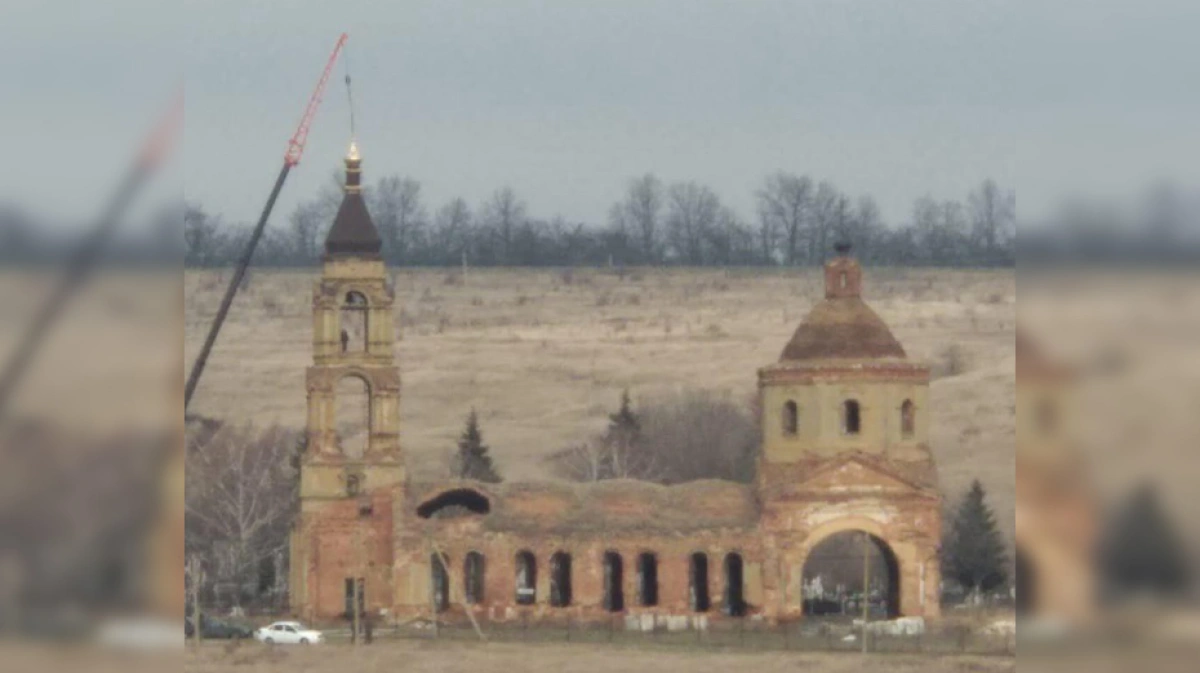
[290,158]
[296,144]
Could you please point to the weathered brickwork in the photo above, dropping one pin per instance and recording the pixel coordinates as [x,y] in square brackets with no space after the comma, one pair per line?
[845,432]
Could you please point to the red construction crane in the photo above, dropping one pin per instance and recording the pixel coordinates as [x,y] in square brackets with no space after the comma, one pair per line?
[290,158]
[296,144]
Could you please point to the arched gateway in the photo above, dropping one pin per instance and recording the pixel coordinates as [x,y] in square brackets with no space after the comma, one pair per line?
[860,460]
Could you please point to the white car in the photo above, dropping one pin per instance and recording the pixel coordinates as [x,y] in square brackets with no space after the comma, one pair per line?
[288,633]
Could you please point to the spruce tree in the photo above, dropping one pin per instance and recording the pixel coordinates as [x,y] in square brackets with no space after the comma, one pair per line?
[621,441]
[1141,551]
[472,460]
[973,551]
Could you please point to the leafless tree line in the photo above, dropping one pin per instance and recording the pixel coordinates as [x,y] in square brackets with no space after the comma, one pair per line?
[241,499]
[669,439]
[797,220]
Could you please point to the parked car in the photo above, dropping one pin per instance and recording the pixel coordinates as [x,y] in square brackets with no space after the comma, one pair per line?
[288,633]
[213,628]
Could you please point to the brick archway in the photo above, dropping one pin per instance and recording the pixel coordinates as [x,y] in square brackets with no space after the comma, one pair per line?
[909,584]
[877,536]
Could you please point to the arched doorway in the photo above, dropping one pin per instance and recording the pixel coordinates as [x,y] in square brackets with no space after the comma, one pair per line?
[734,596]
[833,576]
[614,594]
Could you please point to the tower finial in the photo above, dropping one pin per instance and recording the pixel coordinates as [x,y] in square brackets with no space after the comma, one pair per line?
[353,169]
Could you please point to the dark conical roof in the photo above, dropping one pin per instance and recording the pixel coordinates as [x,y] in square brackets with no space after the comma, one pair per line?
[352,232]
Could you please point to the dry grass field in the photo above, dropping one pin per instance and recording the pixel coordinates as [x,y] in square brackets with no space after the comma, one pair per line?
[543,354]
[420,657]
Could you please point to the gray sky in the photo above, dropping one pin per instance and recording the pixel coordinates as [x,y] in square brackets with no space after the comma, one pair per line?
[564,101]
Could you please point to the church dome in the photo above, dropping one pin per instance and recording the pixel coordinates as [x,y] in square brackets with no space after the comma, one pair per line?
[842,326]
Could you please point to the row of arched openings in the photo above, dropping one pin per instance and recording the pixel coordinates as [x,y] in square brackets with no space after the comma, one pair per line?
[851,418]
[525,589]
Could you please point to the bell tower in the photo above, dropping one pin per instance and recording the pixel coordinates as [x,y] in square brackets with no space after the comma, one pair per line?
[352,462]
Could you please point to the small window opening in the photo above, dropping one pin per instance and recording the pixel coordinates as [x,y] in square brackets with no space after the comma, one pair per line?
[354,323]
[441,582]
[560,580]
[698,583]
[648,579]
[473,574]
[735,603]
[907,419]
[851,417]
[614,594]
[842,280]
[526,578]
[791,418]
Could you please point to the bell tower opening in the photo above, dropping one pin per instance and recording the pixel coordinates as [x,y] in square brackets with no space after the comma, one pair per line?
[354,323]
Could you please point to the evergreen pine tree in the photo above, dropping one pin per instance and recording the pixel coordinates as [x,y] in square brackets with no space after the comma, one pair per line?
[621,440]
[1141,551]
[973,551]
[472,460]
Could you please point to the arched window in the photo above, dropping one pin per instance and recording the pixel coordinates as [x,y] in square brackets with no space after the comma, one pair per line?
[735,602]
[353,420]
[526,578]
[842,279]
[474,567]
[441,582]
[354,323]
[908,419]
[791,418]
[698,582]
[647,579]
[614,593]
[560,579]
[851,417]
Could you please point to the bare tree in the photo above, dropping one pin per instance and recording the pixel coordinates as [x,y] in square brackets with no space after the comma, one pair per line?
[670,439]
[451,235]
[637,217]
[397,211]
[784,205]
[503,214]
[993,214]
[692,213]
[307,225]
[827,206]
[202,236]
[241,488]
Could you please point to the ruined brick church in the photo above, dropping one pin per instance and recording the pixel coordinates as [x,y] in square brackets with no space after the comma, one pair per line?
[845,448]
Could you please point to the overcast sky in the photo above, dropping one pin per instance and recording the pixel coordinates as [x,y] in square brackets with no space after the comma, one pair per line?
[564,101]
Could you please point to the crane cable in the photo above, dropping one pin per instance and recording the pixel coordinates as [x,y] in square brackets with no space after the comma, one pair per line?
[349,93]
